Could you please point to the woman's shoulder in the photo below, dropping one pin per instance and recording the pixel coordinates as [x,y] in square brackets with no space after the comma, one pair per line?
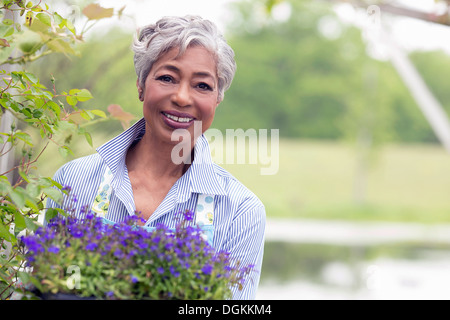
[85,163]
[79,167]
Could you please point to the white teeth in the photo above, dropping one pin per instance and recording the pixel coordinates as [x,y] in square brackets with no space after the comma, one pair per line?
[177,119]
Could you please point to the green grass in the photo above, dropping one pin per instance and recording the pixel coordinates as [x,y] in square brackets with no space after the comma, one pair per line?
[316,180]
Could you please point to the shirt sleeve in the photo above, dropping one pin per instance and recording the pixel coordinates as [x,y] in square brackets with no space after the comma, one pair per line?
[246,246]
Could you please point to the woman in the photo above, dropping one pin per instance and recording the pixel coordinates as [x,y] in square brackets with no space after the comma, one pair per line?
[184,66]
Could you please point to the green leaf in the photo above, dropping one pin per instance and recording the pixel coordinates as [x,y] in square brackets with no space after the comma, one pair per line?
[33,190]
[4,232]
[37,114]
[59,45]
[55,183]
[85,115]
[70,26]
[50,214]
[99,113]
[64,151]
[5,185]
[83,95]
[24,277]
[88,137]
[18,198]
[55,107]
[9,31]
[58,20]
[19,220]
[31,224]
[71,100]
[30,203]
[54,194]
[46,182]
[24,176]
[73,92]
[25,137]
[31,77]
[36,283]
[44,18]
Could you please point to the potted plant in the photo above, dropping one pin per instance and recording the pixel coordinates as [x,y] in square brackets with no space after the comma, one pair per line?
[90,259]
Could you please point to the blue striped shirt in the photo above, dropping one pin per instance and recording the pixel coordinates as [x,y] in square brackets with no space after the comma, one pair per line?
[239,216]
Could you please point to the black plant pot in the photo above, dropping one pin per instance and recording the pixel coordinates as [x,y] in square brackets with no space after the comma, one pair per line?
[59,296]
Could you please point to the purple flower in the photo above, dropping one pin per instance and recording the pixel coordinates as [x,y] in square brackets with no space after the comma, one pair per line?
[53,249]
[174,272]
[207,269]
[118,253]
[126,246]
[189,216]
[33,245]
[91,246]
[49,235]
[142,245]
[90,215]
[77,233]
[132,253]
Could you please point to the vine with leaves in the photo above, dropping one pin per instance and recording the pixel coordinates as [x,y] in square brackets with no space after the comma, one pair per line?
[28,31]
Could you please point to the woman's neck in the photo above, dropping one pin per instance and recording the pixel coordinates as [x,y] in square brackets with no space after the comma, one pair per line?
[152,157]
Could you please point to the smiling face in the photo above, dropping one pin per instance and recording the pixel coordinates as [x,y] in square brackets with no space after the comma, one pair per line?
[180,90]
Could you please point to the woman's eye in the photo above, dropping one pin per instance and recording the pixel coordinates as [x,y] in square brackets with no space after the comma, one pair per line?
[204,86]
[165,78]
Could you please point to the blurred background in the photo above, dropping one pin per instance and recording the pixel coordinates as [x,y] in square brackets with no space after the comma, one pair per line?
[359,90]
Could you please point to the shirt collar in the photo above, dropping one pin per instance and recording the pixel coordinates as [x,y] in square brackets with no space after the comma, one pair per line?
[114,151]
[199,178]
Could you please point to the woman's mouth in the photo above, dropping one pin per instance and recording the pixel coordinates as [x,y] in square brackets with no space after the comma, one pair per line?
[177,120]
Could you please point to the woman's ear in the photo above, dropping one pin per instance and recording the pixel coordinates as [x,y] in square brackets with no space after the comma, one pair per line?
[140,91]
[218,102]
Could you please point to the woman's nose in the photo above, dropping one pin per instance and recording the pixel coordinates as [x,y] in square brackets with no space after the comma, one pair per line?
[182,96]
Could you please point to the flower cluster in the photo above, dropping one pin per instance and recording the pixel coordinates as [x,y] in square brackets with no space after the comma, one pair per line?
[125,261]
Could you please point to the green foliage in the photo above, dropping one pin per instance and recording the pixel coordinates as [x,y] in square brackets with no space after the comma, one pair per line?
[109,76]
[290,76]
[294,77]
[42,116]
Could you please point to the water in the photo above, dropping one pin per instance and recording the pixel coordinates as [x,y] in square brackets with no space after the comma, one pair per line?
[374,262]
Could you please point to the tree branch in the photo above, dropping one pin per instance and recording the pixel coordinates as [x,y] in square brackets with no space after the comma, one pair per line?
[442,19]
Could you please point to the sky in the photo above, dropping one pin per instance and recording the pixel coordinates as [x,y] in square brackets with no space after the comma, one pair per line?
[149,11]
[408,33]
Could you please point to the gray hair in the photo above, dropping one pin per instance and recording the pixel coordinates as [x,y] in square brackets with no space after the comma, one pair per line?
[181,32]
